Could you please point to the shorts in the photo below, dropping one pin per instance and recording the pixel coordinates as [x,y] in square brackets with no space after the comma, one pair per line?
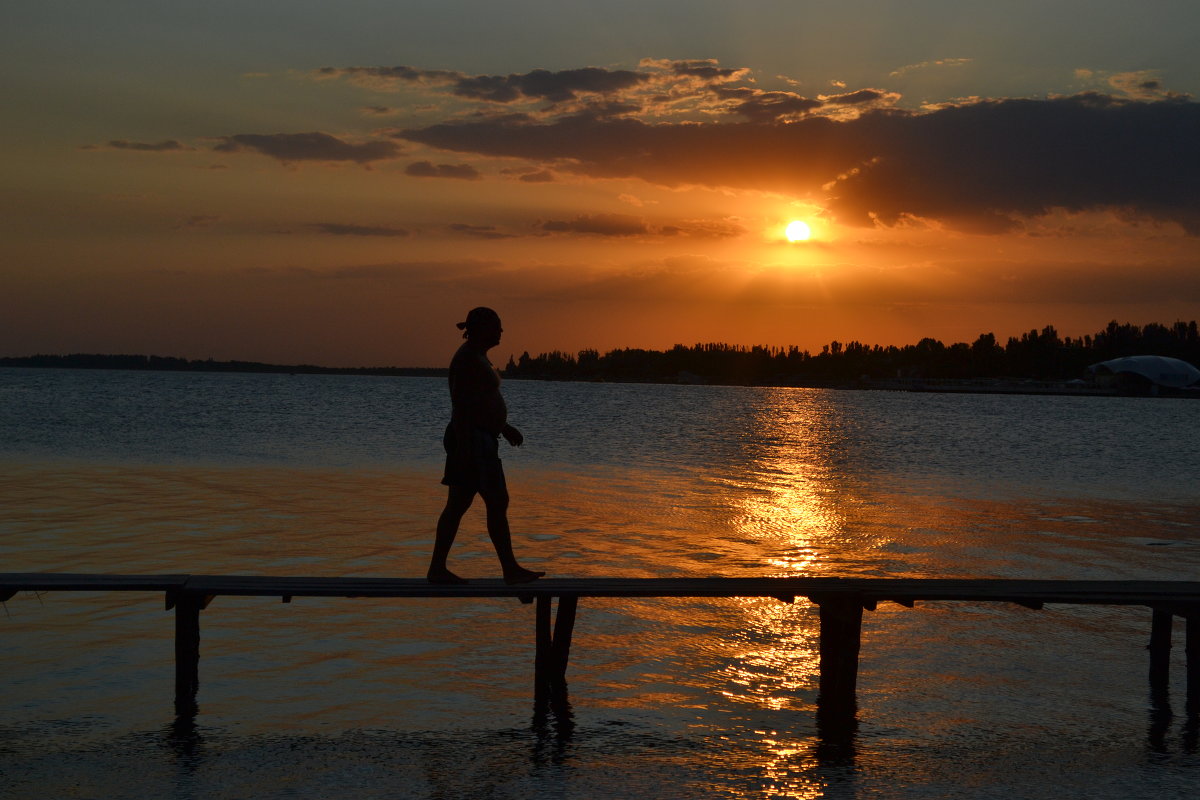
[481,471]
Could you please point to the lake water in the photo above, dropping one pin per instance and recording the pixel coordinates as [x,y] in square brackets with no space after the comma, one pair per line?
[137,472]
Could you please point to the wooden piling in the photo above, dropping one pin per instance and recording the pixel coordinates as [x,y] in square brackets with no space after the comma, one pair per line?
[187,651]
[1193,661]
[543,655]
[841,636]
[553,649]
[564,628]
[1160,652]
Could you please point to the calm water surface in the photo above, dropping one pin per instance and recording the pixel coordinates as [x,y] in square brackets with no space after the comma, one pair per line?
[322,475]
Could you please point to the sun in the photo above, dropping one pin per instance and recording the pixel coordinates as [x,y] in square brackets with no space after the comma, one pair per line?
[797,231]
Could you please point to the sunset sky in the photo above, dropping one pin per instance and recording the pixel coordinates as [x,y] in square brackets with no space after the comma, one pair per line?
[339,183]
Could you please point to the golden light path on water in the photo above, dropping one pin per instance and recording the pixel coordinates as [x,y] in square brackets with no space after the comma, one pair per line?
[783,501]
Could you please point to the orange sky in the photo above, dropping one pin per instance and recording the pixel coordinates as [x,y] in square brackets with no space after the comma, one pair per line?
[205,195]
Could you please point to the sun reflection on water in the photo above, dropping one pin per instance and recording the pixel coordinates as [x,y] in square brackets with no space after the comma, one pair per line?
[784,502]
[787,768]
[787,499]
[777,669]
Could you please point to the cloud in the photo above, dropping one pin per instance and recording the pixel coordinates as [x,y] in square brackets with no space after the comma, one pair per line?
[1143,85]
[758,105]
[985,165]
[541,176]
[314,146]
[388,78]
[379,111]
[198,221]
[538,84]
[763,106]
[657,86]
[629,225]
[599,224]
[555,87]
[479,231]
[427,169]
[705,70]
[860,97]
[338,229]
[941,62]
[166,146]
[979,165]
[705,229]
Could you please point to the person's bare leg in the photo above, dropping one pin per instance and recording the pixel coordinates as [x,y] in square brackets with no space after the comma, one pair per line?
[501,536]
[457,502]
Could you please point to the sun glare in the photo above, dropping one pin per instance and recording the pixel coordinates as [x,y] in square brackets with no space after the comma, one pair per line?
[797,231]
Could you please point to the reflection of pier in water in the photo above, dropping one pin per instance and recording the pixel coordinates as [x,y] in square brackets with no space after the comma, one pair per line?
[841,601]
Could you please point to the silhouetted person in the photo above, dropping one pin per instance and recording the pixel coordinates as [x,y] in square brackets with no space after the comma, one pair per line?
[478,419]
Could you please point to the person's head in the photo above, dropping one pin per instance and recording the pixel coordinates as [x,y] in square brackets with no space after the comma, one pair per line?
[482,326]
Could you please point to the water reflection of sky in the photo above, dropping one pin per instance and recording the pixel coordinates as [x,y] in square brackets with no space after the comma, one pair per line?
[638,481]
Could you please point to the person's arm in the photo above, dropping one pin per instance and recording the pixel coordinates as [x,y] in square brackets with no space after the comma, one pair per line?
[512,435]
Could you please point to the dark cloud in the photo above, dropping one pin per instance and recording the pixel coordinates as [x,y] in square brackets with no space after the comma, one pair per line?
[975,166]
[538,84]
[314,146]
[707,70]
[760,106]
[399,73]
[599,225]
[987,164]
[555,87]
[165,146]
[608,109]
[629,225]
[427,169]
[737,155]
[859,97]
[479,231]
[338,229]
[198,221]
[541,176]
[704,229]
[659,87]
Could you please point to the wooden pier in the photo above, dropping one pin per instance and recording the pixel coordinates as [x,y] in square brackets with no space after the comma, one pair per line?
[841,601]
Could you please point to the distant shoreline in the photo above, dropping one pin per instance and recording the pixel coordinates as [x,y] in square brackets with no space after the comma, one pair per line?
[170,364]
[919,385]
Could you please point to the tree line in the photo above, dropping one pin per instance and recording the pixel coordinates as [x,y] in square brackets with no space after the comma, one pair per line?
[173,364]
[1035,355]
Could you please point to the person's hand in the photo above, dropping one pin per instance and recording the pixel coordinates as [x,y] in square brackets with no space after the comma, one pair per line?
[512,436]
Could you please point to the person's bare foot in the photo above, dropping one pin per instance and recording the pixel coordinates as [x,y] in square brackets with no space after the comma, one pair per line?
[444,577]
[521,575]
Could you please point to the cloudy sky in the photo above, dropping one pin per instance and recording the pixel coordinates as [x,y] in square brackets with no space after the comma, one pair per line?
[338,183]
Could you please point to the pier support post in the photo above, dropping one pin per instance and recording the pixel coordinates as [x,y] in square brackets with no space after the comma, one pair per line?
[187,651]
[553,649]
[544,642]
[564,628]
[841,635]
[1160,653]
[1193,661]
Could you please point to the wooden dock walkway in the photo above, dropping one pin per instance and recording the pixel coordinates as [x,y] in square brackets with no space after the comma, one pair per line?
[841,601]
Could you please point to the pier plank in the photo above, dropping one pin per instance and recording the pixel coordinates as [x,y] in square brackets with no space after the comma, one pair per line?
[905,591]
[87,582]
